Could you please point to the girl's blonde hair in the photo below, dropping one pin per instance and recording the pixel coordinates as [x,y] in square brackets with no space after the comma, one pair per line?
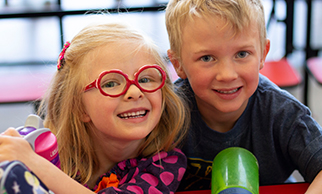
[239,14]
[63,106]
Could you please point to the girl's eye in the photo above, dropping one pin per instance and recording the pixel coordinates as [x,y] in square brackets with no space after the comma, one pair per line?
[110,84]
[242,54]
[144,80]
[206,58]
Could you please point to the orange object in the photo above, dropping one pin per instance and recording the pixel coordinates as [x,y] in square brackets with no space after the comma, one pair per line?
[106,182]
[281,73]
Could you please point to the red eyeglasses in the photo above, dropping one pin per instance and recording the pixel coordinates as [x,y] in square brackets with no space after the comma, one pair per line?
[114,83]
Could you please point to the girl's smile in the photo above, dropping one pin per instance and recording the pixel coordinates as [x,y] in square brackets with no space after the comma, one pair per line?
[130,116]
[134,114]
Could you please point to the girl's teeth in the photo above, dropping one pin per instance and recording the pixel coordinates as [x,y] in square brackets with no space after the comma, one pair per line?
[133,114]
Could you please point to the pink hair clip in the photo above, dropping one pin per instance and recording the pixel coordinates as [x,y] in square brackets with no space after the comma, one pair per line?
[61,60]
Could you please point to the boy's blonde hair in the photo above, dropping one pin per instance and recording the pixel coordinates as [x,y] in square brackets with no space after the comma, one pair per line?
[239,14]
[63,107]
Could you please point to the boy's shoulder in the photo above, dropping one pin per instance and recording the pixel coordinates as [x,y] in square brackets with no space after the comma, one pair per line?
[183,88]
[179,83]
[271,97]
[267,87]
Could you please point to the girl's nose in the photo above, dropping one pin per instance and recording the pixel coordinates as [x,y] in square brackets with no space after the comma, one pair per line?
[133,93]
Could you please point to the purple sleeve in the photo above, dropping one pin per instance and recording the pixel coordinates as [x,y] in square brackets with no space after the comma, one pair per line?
[161,173]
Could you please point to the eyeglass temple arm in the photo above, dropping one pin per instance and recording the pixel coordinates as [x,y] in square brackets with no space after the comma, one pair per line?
[91,85]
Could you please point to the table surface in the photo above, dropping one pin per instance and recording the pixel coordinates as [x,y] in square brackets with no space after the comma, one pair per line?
[291,188]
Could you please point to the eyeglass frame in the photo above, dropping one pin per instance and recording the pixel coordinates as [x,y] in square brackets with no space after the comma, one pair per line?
[95,83]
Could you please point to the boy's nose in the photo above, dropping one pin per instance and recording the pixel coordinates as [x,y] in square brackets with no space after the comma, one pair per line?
[133,93]
[226,71]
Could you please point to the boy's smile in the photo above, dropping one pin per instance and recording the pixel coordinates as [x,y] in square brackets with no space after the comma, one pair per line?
[222,67]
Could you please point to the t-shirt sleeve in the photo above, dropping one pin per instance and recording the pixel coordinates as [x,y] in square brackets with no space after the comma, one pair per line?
[306,145]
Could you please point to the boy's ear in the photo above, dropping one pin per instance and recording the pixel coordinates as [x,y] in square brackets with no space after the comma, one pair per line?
[176,64]
[265,52]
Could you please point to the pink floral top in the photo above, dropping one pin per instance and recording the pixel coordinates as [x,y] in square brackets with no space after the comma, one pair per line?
[160,173]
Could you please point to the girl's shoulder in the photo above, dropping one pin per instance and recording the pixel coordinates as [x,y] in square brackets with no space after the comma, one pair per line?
[160,158]
[163,164]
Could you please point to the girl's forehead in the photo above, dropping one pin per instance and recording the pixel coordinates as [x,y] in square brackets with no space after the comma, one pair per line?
[127,58]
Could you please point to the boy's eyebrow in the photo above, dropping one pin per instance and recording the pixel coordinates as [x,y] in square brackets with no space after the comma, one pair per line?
[246,46]
[201,51]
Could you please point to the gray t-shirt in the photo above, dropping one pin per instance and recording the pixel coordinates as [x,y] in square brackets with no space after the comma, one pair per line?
[275,127]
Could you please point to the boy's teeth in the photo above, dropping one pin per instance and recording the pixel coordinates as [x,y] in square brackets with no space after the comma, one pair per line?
[133,114]
[228,92]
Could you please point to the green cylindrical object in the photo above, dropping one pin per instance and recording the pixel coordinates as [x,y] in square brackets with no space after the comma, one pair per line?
[235,171]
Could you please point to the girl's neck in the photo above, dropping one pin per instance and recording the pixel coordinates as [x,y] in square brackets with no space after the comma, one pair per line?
[117,151]
[109,153]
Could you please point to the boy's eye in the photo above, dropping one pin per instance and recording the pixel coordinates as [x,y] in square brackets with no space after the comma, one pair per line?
[206,58]
[242,54]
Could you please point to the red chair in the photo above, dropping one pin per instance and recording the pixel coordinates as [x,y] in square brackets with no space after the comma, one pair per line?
[282,73]
[314,68]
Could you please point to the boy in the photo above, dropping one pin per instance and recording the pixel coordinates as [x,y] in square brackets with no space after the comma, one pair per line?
[217,49]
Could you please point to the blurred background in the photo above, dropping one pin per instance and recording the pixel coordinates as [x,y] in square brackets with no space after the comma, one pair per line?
[32,33]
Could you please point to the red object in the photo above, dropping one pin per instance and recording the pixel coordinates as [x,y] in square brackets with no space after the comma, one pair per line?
[281,73]
[293,188]
[46,145]
[23,84]
[315,67]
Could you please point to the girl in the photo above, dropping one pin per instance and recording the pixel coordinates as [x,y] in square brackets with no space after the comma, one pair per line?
[117,120]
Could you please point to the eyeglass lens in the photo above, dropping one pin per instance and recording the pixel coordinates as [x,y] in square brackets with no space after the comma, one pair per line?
[115,83]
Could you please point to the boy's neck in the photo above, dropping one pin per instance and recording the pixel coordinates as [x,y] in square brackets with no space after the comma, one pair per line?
[220,121]
[221,125]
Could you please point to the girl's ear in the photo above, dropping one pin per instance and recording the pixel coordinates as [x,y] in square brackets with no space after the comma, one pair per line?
[265,52]
[85,117]
[176,64]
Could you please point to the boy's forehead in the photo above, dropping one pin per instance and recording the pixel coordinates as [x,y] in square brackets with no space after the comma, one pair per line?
[200,23]
[208,33]
[229,29]
[213,19]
